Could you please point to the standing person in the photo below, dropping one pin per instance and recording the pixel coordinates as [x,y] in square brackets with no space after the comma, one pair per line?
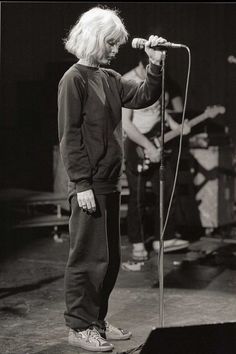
[90,99]
[138,125]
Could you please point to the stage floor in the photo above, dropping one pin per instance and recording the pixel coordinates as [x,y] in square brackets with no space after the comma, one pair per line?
[199,288]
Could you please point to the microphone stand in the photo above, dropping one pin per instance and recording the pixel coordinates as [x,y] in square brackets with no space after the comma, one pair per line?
[162,187]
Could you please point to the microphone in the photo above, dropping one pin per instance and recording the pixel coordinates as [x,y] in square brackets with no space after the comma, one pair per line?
[139,43]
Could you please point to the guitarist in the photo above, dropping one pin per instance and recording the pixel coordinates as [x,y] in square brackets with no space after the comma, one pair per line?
[138,125]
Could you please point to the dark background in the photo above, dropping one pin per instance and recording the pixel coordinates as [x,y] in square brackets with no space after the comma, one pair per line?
[33,59]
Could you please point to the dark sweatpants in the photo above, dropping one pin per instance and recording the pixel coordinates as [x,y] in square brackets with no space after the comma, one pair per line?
[94,260]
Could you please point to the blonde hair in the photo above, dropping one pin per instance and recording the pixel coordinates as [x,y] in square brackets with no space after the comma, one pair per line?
[87,37]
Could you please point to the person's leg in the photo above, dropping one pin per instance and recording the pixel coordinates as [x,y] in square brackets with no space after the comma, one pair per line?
[112,220]
[136,213]
[87,264]
[171,243]
[112,212]
[136,207]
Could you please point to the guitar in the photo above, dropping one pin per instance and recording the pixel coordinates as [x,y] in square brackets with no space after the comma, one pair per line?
[140,160]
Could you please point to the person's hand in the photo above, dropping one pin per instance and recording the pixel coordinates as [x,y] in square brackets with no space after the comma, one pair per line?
[186,128]
[152,153]
[155,55]
[86,201]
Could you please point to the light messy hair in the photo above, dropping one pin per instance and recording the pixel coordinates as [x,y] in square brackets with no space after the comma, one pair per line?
[87,37]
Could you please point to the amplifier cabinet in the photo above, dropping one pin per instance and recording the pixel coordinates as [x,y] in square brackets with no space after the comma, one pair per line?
[214,182]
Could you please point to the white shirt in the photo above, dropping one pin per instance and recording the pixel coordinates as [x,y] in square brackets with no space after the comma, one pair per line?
[145,118]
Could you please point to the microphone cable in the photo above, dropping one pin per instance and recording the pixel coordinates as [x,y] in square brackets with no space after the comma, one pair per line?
[180,141]
[178,156]
[132,350]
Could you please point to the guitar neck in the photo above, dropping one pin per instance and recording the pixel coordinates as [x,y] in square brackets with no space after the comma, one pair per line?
[173,133]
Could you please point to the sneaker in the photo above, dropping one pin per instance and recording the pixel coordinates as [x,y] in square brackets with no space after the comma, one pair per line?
[114,333]
[139,253]
[133,266]
[174,244]
[89,339]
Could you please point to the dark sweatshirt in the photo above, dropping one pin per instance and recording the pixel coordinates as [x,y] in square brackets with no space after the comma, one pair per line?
[89,123]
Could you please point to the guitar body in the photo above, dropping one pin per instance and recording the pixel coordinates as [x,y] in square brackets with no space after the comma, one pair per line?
[134,154]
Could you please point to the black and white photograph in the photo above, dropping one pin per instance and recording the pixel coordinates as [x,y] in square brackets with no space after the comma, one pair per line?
[117,177]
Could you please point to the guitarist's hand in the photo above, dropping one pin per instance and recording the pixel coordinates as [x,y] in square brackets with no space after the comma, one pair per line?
[152,153]
[187,128]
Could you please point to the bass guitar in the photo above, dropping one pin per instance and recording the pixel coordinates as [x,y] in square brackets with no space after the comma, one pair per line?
[139,159]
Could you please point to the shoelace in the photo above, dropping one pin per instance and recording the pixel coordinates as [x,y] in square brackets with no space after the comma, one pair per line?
[95,334]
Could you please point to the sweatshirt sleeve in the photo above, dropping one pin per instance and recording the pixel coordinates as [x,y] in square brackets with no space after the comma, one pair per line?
[70,117]
[140,95]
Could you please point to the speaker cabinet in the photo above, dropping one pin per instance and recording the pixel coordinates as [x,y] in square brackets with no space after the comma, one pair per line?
[214,181]
[198,339]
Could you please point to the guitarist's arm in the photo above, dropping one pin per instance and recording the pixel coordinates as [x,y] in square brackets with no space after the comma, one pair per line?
[177,106]
[137,137]
[174,125]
